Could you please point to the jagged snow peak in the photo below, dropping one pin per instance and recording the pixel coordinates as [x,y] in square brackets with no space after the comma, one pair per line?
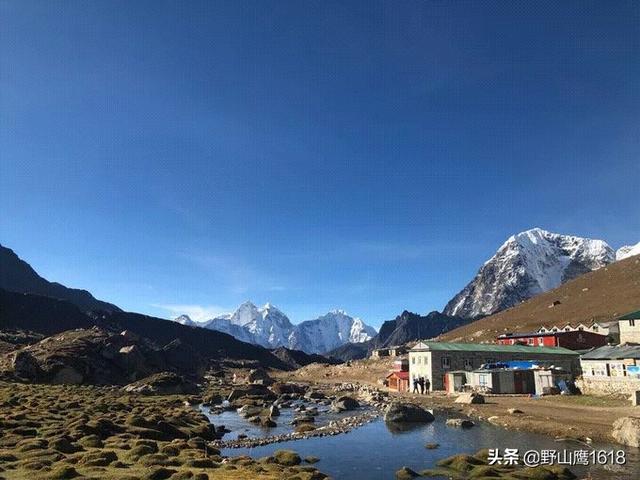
[185,320]
[628,251]
[529,263]
[269,327]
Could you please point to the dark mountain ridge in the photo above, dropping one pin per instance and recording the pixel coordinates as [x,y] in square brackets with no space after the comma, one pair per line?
[409,326]
[16,275]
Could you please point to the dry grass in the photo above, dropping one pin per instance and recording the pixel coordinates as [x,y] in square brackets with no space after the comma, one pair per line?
[60,432]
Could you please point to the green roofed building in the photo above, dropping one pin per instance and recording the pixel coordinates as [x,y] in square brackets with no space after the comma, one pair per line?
[629,326]
[432,360]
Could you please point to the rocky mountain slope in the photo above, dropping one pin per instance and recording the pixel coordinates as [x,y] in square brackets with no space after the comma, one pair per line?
[409,326]
[16,275]
[269,327]
[601,295]
[50,316]
[527,264]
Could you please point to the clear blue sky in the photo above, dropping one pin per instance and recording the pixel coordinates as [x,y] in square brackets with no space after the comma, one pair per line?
[366,156]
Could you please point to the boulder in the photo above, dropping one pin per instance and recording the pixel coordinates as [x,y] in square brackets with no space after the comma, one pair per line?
[459,422]
[164,383]
[25,365]
[288,389]
[407,413]
[405,473]
[470,398]
[515,411]
[259,376]
[253,390]
[344,403]
[626,430]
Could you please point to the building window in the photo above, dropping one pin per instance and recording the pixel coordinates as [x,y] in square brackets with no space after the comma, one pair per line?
[581,328]
[426,360]
[483,379]
[632,323]
[468,364]
[530,341]
[413,360]
[594,328]
[540,341]
[419,360]
[490,360]
[446,362]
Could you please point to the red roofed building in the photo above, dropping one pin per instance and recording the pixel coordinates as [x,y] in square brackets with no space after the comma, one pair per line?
[573,340]
[398,381]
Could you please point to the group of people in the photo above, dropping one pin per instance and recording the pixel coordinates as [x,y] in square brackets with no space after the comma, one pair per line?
[421,385]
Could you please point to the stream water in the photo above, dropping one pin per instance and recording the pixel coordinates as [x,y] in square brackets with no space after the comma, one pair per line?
[375,451]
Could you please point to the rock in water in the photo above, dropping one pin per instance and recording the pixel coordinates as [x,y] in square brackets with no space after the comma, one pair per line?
[407,413]
[344,403]
[626,430]
[405,473]
[459,422]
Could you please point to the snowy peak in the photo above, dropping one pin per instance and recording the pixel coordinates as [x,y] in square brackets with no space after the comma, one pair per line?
[185,320]
[270,327]
[628,251]
[529,263]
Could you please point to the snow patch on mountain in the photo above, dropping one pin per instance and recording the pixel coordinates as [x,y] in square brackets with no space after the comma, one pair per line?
[628,251]
[529,263]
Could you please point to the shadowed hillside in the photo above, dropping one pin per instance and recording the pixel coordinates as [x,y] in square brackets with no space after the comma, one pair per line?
[600,295]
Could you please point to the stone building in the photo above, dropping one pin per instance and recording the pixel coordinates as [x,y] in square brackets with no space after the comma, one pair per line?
[611,369]
[629,326]
[432,360]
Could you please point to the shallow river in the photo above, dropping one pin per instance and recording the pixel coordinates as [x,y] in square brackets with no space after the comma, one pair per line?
[373,451]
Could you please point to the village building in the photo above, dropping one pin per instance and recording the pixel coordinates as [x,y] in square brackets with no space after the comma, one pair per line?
[398,379]
[610,370]
[609,328]
[433,360]
[509,378]
[629,326]
[394,351]
[572,339]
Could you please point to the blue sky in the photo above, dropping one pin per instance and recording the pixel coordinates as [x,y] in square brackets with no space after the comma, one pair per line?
[187,156]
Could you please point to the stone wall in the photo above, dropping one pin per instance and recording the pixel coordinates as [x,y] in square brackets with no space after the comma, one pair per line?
[608,385]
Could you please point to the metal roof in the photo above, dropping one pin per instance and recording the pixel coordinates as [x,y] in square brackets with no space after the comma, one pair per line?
[613,352]
[630,316]
[489,347]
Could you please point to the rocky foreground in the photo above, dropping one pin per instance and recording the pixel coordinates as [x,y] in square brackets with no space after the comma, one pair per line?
[63,432]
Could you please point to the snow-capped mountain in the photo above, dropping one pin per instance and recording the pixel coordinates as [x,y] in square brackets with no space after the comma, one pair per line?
[628,251]
[329,331]
[527,264]
[185,320]
[269,327]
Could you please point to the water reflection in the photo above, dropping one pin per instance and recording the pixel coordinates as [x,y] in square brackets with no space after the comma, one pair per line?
[376,450]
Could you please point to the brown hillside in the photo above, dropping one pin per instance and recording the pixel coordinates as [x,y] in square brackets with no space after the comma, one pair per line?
[601,295]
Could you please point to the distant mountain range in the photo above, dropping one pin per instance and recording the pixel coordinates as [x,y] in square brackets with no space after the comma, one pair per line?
[528,264]
[271,328]
[30,303]
[17,275]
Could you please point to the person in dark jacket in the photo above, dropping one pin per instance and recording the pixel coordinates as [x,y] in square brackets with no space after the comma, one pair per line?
[415,385]
[427,385]
[421,383]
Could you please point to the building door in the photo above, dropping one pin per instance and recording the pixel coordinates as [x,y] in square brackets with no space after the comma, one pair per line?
[518,382]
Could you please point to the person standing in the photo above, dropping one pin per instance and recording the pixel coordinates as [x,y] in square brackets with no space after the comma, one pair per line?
[427,385]
[421,383]
[415,385]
